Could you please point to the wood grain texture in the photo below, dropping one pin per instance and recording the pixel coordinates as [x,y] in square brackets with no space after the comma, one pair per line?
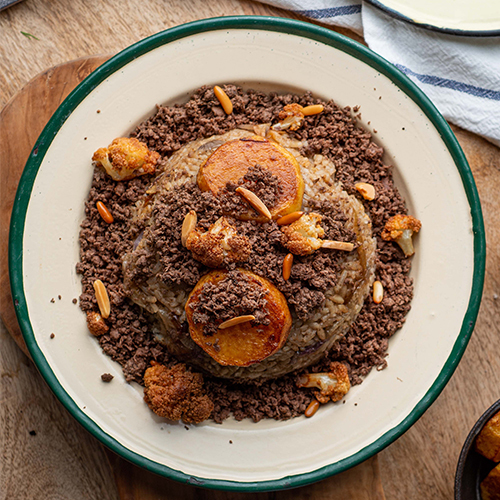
[425,458]
[40,98]
[45,453]
[21,122]
[420,465]
[360,483]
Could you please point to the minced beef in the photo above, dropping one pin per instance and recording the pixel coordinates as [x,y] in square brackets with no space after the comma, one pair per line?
[262,182]
[311,275]
[232,296]
[334,133]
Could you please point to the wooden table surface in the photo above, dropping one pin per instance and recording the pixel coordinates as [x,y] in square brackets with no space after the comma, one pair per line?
[44,454]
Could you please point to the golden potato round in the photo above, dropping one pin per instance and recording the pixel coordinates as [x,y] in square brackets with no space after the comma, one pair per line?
[245,343]
[231,161]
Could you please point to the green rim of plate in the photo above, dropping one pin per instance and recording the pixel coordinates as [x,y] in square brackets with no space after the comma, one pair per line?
[287,26]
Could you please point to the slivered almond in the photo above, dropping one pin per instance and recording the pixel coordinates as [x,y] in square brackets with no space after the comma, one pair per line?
[312,408]
[337,245]
[289,218]
[188,225]
[255,201]
[378,292]
[287,266]
[104,212]
[314,109]
[366,190]
[101,294]
[224,100]
[236,321]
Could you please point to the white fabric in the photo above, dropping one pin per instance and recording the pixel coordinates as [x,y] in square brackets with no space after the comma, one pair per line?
[460,74]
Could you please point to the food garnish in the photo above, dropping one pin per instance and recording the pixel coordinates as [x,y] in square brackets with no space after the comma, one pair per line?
[104,212]
[287,266]
[236,321]
[312,408]
[337,245]
[101,295]
[378,292]
[176,393]
[302,237]
[291,118]
[366,190]
[224,100]
[400,229]
[255,201]
[188,225]
[96,324]
[333,385]
[126,158]
[288,219]
[220,245]
[313,109]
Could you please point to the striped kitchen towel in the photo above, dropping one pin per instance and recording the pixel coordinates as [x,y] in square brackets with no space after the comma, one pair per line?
[460,74]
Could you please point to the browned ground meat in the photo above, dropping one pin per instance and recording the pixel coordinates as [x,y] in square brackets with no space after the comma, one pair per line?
[333,133]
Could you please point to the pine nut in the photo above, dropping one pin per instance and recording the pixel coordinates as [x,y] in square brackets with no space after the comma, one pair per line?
[224,100]
[236,321]
[315,109]
[102,297]
[287,266]
[337,245]
[188,225]
[255,201]
[289,218]
[312,408]
[104,212]
[378,292]
[366,190]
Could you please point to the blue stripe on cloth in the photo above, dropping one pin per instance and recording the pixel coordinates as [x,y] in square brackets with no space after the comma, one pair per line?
[345,10]
[451,84]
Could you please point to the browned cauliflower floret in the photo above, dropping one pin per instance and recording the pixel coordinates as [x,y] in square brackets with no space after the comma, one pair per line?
[400,229]
[291,118]
[126,158]
[96,324]
[302,236]
[220,245]
[176,393]
[333,385]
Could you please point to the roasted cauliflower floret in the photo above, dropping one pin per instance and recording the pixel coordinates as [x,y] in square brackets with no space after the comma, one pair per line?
[96,324]
[176,393]
[126,158]
[302,237]
[220,245]
[291,118]
[333,385]
[400,229]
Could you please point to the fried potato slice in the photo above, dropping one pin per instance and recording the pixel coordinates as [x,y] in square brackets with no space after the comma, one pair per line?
[231,161]
[488,440]
[245,343]
[490,486]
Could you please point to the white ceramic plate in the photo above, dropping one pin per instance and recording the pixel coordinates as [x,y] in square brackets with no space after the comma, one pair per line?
[460,17]
[430,170]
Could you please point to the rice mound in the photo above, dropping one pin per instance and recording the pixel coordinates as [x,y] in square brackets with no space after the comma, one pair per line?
[308,339]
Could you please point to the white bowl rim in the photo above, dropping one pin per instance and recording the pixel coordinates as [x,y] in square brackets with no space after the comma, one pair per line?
[287,26]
